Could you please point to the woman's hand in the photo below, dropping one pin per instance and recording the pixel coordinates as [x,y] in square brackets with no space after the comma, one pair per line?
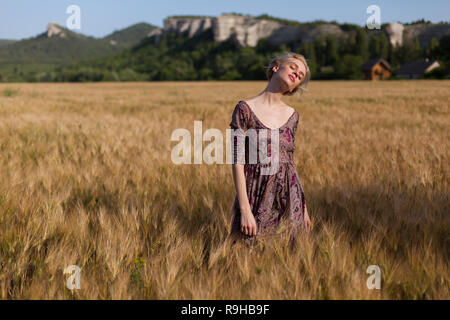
[248,222]
[306,220]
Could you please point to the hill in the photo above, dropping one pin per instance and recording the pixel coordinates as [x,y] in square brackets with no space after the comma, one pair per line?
[130,36]
[28,58]
[6,41]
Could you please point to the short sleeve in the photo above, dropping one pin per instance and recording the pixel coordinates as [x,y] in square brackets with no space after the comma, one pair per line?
[239,118]
[238,124]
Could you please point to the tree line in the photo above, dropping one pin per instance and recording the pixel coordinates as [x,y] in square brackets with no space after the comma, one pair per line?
[176,57]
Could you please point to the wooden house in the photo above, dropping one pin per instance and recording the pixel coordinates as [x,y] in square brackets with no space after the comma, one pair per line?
[376,69]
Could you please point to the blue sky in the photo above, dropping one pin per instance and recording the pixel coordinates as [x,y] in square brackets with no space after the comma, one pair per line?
[26,18]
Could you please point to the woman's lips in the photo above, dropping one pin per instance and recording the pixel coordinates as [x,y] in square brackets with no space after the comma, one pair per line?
[292,78]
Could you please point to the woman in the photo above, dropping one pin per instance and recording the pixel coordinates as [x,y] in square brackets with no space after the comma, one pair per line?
[268,205]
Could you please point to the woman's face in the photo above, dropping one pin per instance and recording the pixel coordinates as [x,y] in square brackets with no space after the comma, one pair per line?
[290,74]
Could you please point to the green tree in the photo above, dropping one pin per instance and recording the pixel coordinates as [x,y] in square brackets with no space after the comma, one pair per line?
[206,74]
[309,52]
[331,50]
[430,50]
[348,67]
[417,50]
[361,45]
[374,47]
[384,46]
[231,75]
[223,63]
[319,49]
[443,50]
[409,51]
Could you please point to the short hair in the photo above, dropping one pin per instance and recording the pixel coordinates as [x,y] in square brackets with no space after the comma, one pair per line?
[279,60]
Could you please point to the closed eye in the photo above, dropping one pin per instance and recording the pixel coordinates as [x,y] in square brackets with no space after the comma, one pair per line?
[296,67]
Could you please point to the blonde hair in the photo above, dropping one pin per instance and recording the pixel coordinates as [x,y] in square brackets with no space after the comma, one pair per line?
[279,60]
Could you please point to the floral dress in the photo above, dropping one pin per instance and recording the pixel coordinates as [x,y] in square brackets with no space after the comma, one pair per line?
[276,198]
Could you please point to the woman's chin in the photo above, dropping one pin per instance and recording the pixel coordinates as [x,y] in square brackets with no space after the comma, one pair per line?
[286,85]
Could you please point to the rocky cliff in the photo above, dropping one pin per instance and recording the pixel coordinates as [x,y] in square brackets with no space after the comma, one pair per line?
[247,30]
[424,32]
[55,30]
[192,26]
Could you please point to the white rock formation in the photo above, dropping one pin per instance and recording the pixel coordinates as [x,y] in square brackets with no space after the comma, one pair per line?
[193,26]
[247,30]
[157,33]
[395,33]
[55,29]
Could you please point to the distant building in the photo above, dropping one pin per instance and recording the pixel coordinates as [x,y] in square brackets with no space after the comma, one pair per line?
[416,69]
[376,69]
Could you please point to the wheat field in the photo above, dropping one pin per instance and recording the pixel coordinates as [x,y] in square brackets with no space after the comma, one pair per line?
[87,180]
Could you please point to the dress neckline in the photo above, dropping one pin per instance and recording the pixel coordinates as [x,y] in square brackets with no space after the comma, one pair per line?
[256,117]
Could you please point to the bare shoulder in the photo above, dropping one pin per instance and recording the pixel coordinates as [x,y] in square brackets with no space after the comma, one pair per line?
[249,101]
[289,109]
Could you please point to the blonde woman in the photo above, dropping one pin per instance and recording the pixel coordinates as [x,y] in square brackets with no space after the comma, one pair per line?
[270,204]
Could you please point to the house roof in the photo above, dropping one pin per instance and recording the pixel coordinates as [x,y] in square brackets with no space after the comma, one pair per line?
[415,67]
[369,64]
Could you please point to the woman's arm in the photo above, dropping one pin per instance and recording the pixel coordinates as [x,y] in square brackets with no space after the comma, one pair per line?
[240,185]
[248,223]
[239,120]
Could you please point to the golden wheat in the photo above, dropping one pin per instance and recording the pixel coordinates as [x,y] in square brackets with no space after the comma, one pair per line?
[87,180]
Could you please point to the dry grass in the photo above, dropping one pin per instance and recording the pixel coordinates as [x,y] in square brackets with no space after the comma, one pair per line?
[86,179]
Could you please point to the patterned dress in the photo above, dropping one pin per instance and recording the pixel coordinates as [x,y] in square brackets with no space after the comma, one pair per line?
[276,199]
